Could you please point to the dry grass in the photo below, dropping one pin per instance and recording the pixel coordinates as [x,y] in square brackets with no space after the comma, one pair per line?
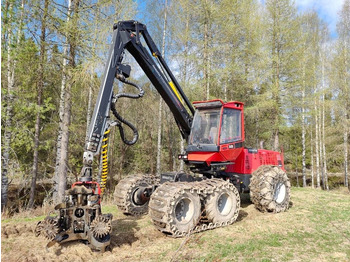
[316,228]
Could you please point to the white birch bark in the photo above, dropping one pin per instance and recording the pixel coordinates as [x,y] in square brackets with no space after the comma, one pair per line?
[318,183]
[324,157]
[346,120]
[319,115]
[324,146]
[89,102]
[312,160]
[59,178]
[9,113]
[206,52]
[346,146]
[303,129]
[160,109]
[185,68]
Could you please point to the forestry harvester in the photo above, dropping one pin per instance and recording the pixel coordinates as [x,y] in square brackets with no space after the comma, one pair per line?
[178,203]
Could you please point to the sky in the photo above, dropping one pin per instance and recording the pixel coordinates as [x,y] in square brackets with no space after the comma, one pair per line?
[326,9]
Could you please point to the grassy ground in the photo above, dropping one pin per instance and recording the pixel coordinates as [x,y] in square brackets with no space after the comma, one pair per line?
[316,228]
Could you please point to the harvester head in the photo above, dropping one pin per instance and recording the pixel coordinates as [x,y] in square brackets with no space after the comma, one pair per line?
[79,217]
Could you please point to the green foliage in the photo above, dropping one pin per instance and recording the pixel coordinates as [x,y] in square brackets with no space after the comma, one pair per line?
[264,55]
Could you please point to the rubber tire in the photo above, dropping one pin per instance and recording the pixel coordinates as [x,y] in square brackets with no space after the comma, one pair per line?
[262,189]
[212,209]
[123,195]
[191,222]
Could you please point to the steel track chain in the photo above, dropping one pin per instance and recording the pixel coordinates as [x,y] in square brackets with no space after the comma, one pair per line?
[165,193]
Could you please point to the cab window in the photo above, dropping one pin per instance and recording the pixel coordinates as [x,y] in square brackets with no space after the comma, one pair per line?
[231,130]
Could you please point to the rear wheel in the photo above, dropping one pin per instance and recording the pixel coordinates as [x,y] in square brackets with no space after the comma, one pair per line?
[223,205]
[185,211]
[175,208]
[270,189]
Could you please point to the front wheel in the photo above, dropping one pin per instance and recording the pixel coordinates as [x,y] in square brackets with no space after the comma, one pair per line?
[270,189]
[132,195]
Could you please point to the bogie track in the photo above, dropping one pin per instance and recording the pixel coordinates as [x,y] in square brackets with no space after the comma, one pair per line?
[180,208]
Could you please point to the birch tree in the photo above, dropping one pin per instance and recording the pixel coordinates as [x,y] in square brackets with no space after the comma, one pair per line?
[160,109]
[341,79]
[69,52]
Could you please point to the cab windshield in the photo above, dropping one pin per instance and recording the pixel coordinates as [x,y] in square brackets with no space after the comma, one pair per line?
[205,127]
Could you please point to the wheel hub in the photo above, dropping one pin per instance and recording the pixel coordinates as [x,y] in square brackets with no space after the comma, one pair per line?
[140,196]
[184,210]
[224,204]
[280,192]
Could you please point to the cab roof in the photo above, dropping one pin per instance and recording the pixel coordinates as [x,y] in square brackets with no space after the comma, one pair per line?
[215,103]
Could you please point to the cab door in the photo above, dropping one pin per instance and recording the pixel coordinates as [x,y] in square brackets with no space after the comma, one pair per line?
[231,133]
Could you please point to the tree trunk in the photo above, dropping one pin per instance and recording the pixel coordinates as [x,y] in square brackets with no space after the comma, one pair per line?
[170,143]
[185,68]
[5,19]
[206,52]
[276,83]
[346,145]
[63,160]
[58,180]
[39,102]
[303,129]
[346,119]
[324,147]
[160,109]
[312,160]
[319,114]
[318,183]
[159,140]
[89,106]
[324,170]
[62,168]
[9,113]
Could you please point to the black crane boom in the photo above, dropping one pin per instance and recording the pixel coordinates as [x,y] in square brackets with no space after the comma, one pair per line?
[127,37]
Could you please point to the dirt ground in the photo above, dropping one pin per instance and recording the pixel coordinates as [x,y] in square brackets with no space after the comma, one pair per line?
[135,239]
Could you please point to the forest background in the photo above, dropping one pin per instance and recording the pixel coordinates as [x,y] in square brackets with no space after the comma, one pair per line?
[290,70]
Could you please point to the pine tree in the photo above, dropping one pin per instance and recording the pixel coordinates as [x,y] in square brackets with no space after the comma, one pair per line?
[39,102]
[282,28]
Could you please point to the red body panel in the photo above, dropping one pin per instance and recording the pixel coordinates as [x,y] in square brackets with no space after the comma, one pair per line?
[228,155]
[205,157]
[244,161]
[247,163]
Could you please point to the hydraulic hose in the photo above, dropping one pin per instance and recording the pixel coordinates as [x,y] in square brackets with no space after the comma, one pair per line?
[120,119]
